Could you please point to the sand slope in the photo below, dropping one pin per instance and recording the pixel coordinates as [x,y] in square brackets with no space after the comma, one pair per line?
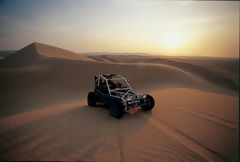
[44,115]
[171,132]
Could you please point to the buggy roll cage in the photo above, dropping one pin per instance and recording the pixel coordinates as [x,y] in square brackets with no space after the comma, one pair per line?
[108,77]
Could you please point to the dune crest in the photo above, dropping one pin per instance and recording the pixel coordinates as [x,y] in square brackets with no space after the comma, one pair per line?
[51,51]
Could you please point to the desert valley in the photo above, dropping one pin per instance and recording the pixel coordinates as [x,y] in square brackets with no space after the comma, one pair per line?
[44,113]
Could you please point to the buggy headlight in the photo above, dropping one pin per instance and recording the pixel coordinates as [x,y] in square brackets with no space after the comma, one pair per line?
[144,95]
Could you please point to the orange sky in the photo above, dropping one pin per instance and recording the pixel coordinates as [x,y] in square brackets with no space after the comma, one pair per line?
[192,28]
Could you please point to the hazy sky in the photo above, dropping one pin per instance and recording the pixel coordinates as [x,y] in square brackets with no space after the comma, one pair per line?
[195,28]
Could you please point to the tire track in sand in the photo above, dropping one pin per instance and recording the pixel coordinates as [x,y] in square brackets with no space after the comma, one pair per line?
[189,142]
[219,121]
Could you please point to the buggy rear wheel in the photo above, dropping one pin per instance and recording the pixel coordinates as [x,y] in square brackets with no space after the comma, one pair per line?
[149,103]
[92,99]
[115,109]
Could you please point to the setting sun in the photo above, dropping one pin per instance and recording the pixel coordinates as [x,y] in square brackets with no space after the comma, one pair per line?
[173,41]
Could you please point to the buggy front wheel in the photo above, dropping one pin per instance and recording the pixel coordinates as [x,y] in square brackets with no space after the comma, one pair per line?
[92,99]
[149,103]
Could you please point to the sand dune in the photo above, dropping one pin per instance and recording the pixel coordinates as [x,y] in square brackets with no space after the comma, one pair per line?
[217,70]
[32,54]
[44,115]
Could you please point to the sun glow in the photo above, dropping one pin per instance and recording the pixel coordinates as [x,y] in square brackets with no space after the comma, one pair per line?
[173,41]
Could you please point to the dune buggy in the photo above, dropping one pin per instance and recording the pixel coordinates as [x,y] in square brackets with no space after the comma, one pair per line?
[114,92]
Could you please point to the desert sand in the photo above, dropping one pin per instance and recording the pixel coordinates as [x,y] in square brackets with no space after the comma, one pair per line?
[44,113]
